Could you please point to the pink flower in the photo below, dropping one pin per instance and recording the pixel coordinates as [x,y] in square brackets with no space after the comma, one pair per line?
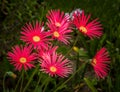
[101,62]
[92,29]
[49,50]
[22,57]
[59,25]
[55,64]
[57,18]
[35,35]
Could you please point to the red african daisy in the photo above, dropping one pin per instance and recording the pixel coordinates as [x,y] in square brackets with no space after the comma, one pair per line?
[92,29]
[59,25]
[101,62]
[49,50]
[57,18]
[35,35]
[55,64]
[61,34]
[22,57]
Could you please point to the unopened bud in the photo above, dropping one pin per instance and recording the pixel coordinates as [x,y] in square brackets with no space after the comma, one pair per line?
[11,74]
[76,49]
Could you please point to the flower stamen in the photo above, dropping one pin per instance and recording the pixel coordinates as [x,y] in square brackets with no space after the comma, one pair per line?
[94,62]
[56,34]
[53,69]
[23,60]
[83,29]
[36,38]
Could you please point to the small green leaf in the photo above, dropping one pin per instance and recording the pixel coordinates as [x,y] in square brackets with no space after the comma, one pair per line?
[90,85]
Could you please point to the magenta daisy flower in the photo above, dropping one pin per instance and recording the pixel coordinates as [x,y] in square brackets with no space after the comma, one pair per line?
[49,50]
[57,18]
[55,64]
[35,35]
[101,62]
[61,34]
[22,57]
[92,29]
[59,25]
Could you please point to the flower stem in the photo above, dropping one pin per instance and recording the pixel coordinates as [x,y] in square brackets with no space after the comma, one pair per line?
[4,82]
[47,80]
[73,45]
[46,84]
[30,79]
[70,77]
[40,76]
[18,83]
[22,80]
[83,41]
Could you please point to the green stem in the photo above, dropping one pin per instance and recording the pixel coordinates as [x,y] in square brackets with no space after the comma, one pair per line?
[4,82]
[46,86]
[31,77]
[22,80]
[84,70]
[83,41]
[40,76]
[73,45]
[70,77]
[47,79]
[18,83]
[90,85]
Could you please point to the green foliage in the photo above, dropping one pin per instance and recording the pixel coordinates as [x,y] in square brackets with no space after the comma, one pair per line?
[90,84]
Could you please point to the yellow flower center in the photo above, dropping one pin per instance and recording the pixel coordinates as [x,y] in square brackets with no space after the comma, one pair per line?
[36,38]
[83,29]
[94,62]
[56,34]
[57,24]
[23,60]
[53,69]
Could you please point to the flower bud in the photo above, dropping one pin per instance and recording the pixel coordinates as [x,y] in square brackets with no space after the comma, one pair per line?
[11,74]
[76,49]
